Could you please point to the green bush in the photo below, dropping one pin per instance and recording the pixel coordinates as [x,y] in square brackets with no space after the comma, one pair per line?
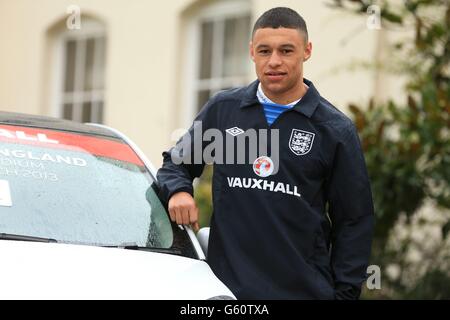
[407,149]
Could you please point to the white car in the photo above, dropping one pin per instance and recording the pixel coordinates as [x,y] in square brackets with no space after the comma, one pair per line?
[80,219]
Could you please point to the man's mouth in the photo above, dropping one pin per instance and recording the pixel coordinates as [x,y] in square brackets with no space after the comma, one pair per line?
[275,75]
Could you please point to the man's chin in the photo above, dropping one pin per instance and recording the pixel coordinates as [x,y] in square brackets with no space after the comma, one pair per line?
[274,88]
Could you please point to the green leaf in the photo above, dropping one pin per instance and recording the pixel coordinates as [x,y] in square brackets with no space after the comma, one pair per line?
[391,17]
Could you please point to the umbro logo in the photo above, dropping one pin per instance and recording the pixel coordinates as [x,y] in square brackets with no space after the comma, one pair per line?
[235,131]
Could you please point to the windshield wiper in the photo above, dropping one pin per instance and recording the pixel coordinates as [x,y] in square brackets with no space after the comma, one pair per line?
[132,246]
[18,237]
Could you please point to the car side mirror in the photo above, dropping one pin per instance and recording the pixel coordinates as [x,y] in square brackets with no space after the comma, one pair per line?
[203,238]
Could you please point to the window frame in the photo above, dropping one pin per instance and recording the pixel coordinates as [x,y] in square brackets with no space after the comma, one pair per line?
[91,28]
[192,83]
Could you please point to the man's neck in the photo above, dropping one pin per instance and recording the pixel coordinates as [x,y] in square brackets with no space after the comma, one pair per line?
[287,97]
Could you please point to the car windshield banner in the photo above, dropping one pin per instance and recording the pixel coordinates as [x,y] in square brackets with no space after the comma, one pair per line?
[53,139]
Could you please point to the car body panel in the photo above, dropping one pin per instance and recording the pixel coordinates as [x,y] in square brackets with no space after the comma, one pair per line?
[37,121]
[32,270]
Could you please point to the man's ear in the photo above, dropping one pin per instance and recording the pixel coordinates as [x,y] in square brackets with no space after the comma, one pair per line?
[252,52]
[308,51]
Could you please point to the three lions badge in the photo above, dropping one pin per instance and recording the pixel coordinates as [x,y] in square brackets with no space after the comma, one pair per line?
[301,142]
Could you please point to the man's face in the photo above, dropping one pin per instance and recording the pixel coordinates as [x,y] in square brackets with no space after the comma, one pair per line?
[279,55]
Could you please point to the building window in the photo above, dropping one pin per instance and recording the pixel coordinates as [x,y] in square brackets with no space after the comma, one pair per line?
[217,51]
[223,55]
[83,87]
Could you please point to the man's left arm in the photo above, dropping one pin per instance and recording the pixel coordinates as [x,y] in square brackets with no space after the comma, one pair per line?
[352,216]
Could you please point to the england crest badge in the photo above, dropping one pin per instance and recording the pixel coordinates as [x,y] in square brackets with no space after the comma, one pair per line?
[301,142]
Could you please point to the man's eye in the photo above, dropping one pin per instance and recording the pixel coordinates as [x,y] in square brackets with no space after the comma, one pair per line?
[263,51]
[286,51]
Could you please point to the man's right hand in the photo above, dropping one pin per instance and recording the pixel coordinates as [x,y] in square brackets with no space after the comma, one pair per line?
[183,209]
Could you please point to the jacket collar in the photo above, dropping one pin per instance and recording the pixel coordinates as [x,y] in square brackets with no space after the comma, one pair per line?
[306,106]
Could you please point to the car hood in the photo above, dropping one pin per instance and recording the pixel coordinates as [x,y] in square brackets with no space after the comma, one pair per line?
[32,270]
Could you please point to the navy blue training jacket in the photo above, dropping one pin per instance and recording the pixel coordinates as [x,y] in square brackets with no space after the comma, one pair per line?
[302,232]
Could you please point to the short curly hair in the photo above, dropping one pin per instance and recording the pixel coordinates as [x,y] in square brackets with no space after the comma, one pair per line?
[281,17]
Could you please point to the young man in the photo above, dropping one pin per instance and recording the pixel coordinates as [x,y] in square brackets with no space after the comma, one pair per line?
[302,231]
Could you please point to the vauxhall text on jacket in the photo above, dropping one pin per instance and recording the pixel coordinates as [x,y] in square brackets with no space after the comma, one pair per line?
[292,225]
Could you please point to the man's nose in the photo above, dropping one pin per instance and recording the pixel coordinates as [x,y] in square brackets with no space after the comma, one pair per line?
[275,60]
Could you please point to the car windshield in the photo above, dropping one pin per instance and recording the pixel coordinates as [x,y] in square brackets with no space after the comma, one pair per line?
[78,188]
